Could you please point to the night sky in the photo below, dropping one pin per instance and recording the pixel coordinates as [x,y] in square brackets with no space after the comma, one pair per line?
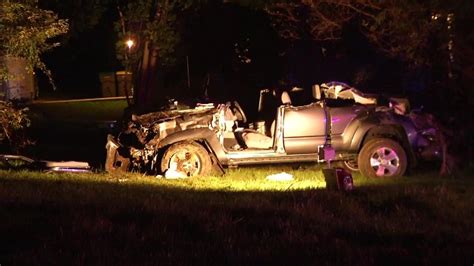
[76,64]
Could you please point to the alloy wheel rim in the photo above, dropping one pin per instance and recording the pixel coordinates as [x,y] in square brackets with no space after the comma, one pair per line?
[385,162]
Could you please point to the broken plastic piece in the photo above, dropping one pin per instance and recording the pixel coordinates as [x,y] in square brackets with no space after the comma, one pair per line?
[173,174]
[280,177]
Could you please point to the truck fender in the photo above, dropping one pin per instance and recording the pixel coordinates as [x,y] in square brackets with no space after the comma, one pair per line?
[355,132]
[395,132]
[200,134]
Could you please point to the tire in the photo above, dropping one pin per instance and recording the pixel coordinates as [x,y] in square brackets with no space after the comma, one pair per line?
[189,158]
[382,158]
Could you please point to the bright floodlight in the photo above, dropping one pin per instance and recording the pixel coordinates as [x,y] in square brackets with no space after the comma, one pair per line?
[130,43]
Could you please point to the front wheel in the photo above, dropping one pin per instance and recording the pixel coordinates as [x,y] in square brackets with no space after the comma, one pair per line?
[382,158]
[188,158]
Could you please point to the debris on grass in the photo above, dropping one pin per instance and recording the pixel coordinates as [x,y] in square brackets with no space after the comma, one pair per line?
[173,174]
[280,177]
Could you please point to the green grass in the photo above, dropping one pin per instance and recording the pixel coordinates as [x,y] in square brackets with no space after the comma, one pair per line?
[238,219]
[93,110]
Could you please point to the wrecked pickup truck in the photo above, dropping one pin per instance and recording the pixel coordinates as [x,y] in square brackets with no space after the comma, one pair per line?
[362,135]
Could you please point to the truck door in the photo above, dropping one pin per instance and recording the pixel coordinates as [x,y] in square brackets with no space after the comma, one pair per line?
[304,128]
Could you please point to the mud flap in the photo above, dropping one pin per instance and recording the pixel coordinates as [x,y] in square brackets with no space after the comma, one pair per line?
[216,165]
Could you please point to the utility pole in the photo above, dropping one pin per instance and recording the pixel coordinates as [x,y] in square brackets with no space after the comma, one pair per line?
[187,68]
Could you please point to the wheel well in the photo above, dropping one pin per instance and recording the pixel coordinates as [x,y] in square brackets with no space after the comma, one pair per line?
[393,132]
[203,136]
[203,143]
[389,132]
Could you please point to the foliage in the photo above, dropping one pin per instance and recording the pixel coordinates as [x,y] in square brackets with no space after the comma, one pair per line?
[153,28]
[92,11]
[400,28]
[28,31]
[13,123]
[150,24]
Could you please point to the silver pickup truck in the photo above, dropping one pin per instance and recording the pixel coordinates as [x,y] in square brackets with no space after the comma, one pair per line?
[338,124]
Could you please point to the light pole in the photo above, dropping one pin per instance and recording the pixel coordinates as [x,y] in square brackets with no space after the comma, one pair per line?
[130,43]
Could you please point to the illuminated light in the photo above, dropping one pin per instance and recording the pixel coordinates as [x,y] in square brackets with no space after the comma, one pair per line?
[130,43]
[435,16]
[450,17]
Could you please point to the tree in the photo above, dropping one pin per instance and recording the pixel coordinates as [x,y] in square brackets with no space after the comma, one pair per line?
[400,28]
[27,31]
[13,124]
[410,31]
[150,27]
[91,13]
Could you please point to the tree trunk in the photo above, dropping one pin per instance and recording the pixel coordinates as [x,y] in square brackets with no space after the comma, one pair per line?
[149,81]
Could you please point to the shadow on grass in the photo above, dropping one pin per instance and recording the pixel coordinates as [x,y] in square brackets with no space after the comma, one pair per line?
[73,130]
[63,142]
[65,219]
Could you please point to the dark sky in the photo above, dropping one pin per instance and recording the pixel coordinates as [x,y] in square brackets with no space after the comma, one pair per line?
[76,64]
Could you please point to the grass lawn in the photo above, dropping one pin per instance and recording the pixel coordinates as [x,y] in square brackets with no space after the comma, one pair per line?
[238,219]
[90,110]
[73,130]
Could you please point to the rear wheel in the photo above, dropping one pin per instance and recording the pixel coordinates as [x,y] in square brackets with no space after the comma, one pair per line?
[382,158]
[188,158]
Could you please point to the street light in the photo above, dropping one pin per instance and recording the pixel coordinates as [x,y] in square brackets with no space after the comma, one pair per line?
[130,43]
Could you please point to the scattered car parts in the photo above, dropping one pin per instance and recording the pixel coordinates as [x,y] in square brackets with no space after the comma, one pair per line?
[20,162]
